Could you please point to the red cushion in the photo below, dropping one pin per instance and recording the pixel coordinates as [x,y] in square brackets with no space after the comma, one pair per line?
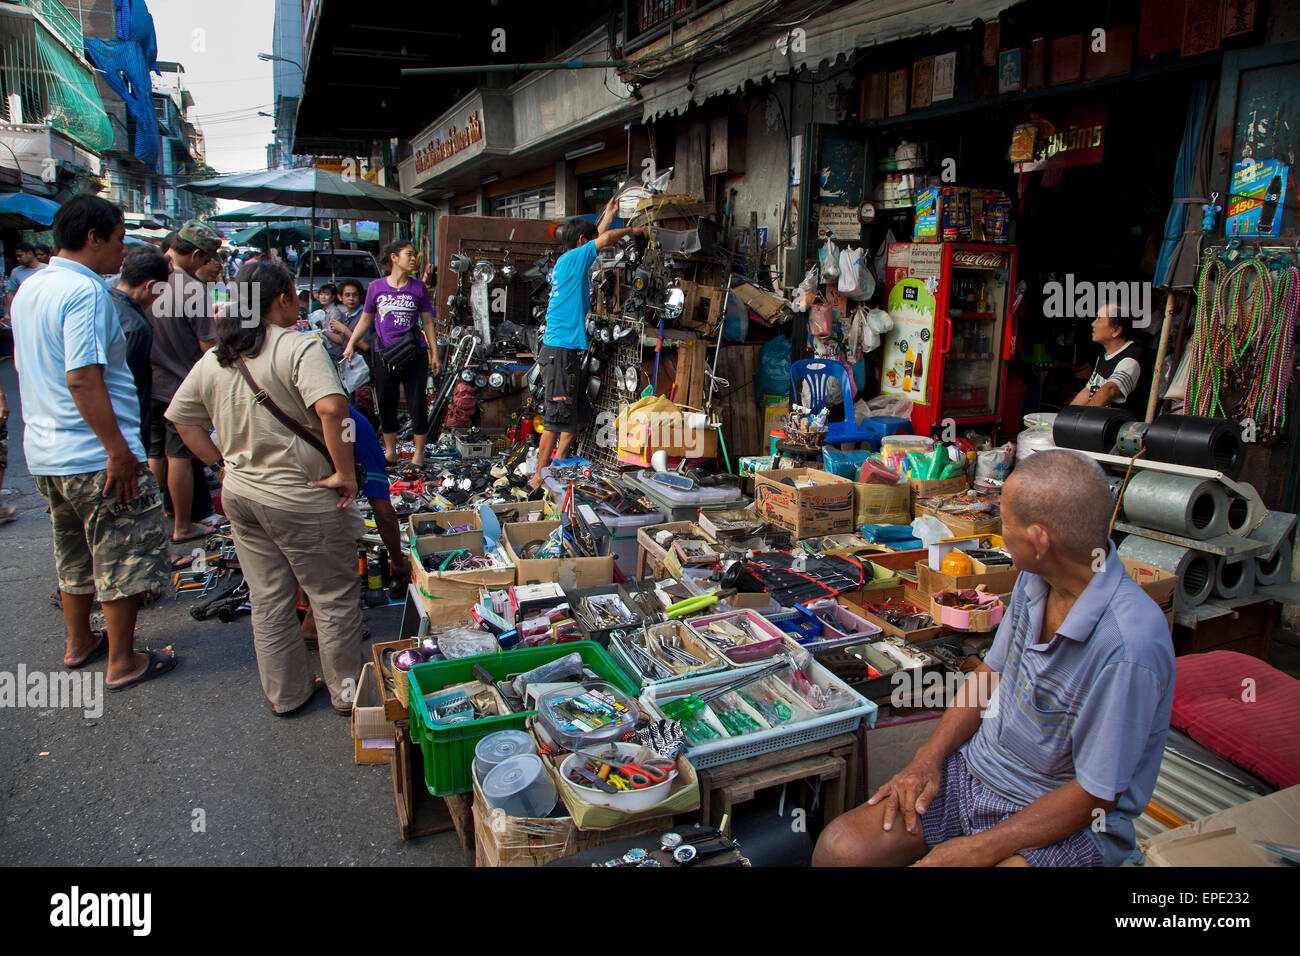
[1242,709]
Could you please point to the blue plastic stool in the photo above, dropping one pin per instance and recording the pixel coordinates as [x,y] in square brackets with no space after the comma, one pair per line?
[818,373]
[882,426]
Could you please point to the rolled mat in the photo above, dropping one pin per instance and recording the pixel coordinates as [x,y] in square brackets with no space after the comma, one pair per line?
[1089,429]
[1195,569]
[1196,442]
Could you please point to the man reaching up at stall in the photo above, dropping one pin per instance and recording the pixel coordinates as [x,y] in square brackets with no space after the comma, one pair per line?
[560,356]
[1052,744]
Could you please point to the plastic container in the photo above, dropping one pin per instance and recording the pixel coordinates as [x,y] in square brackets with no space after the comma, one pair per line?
[848,628]
[563,723]
[499,747]
[698,496]
[693,644]
[628,801]
[520,787]
[730,749]
[750,649]
[449,750]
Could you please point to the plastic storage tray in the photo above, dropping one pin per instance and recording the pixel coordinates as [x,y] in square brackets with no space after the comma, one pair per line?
[754,650]
[849,628]
[695,498]
[449,749]
[731,749]
[717,662]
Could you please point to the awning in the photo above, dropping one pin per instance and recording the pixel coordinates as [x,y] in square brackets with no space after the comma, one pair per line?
[35,211]
[865,23]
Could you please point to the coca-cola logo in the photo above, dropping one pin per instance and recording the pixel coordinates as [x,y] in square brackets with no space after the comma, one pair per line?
[979,260]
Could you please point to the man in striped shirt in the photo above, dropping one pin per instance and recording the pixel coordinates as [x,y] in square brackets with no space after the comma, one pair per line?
[1051,769]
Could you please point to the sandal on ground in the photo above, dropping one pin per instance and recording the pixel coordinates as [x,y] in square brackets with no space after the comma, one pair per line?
[194,537]
[8,513]
[159,664]
[100,650]
[314,691]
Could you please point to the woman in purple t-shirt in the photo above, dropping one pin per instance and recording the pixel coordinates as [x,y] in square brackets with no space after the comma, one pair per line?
[399,306]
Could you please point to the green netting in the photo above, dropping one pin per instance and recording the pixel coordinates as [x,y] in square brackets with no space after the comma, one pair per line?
[55,87]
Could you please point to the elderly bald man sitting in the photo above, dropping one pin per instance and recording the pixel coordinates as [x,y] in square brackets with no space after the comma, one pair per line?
[1052,767]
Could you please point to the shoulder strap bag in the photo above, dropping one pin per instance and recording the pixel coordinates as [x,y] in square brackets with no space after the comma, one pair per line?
[298,428]
[402,352]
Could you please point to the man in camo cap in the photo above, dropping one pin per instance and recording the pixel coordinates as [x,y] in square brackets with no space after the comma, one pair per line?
[182,331]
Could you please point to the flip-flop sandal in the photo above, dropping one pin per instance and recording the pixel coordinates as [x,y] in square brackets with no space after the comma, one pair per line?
[320,684]
[8,515]
[101,650]
[194,537]
[159,664]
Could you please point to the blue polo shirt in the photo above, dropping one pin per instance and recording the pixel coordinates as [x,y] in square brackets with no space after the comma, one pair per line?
[1091,704]
[64,319]
[566,312]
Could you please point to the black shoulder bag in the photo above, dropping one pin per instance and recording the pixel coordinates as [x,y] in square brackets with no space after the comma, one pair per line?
[402,352]
[298,428]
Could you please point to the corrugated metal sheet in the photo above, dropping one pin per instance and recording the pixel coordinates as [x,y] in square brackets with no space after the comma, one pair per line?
[829,38]
[1189,792]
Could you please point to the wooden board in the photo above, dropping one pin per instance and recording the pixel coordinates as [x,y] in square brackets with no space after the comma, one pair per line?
[742,420]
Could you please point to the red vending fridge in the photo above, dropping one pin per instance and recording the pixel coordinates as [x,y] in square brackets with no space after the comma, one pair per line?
[953,332]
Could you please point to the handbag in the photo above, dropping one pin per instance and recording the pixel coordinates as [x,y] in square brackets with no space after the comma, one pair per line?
[400,354]
[354,372]
[298,428]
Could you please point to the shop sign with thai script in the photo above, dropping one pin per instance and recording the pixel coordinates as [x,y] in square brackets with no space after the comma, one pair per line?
[1079,140]
[436,147]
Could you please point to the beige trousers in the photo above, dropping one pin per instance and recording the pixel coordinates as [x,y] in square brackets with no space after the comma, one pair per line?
[279,550]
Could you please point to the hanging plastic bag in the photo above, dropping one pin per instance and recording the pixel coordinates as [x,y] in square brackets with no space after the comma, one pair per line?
[851,272]
[880,321]
[354,372]
[773,375]
[806,291]
[821,319]
[829,260]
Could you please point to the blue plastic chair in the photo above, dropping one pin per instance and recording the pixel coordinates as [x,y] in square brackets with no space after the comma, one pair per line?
[818,374]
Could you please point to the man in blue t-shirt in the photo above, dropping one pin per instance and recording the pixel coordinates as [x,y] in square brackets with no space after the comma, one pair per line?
[564,410]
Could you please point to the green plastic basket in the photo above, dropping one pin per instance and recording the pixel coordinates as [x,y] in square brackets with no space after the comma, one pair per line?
[449,750]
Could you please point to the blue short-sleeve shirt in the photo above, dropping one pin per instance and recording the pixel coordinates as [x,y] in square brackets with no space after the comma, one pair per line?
[566,312]
[369,453]
[1091,704]
[64,319]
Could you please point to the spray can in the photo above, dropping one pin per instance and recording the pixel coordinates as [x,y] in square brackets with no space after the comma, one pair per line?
[374,581]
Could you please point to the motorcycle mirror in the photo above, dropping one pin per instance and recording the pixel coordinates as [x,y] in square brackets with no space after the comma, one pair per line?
[497,380]
[461,263]
[674,301]
[484,271]
[480,380]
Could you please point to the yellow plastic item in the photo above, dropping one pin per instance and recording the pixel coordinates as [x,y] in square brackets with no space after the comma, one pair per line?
[956,563]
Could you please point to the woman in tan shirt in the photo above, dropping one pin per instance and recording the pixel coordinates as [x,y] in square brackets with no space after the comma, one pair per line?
[290,510]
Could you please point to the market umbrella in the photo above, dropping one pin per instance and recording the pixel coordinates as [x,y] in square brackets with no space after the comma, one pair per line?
[274,212]
[317,188]
[277,234]
[25,211]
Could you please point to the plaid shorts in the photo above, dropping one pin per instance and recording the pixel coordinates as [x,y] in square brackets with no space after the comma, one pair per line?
[964,806]
[102,547]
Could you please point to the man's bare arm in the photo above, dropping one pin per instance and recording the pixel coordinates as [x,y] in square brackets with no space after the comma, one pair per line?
[1108,393]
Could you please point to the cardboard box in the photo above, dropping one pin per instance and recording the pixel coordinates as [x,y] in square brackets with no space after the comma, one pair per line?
[1000,581]
[881,504]
[959,525]
[472,539]
[1159,585]
[372,734]
[448,595]
[823,508]
[502,840]
[394,709]
[987,617]
[938,486]
[567,572]
[919,636]
[767,305]
[1226,838]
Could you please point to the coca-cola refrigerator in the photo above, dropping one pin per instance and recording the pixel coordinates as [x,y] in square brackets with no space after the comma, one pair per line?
[953,331]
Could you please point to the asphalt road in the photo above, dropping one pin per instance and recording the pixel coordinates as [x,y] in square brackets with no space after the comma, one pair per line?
[126,787]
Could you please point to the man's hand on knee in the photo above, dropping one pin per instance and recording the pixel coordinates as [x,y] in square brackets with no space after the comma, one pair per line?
[910,792]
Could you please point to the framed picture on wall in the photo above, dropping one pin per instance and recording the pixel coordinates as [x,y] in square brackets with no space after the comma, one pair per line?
[1239,16]
[897,94]
[873,96]
[1067,59]
[1009,70]
[945,77]
[922,82]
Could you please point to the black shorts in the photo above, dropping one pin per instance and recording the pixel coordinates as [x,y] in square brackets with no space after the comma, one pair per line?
[565,407]
[164,440]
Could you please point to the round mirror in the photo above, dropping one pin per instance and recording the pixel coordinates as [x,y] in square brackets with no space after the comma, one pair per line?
[674,302]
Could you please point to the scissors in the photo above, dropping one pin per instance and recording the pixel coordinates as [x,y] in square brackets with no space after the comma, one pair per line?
[638,774]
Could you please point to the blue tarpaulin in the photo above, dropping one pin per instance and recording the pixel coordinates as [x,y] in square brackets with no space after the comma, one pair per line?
[126,63]
[36,208]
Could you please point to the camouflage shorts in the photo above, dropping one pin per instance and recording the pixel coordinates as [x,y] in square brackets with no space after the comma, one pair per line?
[103,547]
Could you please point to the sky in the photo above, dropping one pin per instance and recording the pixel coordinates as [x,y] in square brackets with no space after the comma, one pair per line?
[218,43]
